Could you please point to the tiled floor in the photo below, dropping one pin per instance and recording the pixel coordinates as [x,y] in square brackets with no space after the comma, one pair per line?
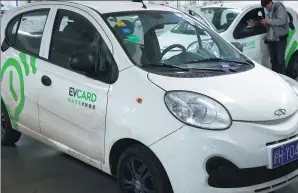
[32,167]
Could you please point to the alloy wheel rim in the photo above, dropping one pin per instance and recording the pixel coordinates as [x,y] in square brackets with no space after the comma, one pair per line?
[137,177]
[3,124]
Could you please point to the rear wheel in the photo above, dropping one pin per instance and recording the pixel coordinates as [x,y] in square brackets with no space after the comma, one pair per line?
[139,171]
[292,70]
[9,136]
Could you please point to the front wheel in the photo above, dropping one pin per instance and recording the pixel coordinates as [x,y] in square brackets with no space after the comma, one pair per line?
[292,69]
[139,171]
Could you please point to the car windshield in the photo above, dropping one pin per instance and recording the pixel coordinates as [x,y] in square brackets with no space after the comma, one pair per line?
[173,38]
[221,18]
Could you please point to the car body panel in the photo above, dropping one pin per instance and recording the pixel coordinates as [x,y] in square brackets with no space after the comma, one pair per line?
[128,119]
[134,108]
[242,104]
[238,147]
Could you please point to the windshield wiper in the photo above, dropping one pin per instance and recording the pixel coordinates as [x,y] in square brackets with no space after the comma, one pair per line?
[218,60]
[209,69]
[160,64]
[185,69]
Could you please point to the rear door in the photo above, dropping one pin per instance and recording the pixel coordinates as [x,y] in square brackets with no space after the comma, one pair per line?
[21,54]
[72,104]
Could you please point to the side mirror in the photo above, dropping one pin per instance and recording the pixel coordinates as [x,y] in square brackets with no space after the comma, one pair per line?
[138,23]
[4,45]
[238,45]
[83,62]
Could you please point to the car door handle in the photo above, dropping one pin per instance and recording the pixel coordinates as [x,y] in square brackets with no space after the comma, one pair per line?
[46,80]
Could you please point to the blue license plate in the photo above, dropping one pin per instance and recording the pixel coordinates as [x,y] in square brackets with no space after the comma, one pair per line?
[284,154]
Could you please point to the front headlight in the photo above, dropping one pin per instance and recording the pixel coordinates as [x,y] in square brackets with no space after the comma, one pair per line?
[198,110]
[291,82]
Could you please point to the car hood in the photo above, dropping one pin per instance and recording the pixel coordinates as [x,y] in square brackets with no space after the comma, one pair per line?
[254,95]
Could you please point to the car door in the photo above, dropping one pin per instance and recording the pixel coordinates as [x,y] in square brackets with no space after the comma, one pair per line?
[21,53]
[252,38]
[72,104]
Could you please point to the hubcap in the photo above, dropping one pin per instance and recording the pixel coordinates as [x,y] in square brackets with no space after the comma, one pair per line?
[3,124]
[137,177]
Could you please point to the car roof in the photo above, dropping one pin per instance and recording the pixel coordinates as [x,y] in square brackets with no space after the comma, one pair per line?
[240,6]
[111,6]
[234,5]
[119,6]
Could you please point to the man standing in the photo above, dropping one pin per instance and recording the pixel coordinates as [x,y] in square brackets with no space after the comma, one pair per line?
[277,25]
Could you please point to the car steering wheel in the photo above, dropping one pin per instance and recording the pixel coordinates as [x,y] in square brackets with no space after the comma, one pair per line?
[202,52]
[171,47]
[195,42]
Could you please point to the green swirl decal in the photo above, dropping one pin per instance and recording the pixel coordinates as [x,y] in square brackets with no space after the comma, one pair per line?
[11,62]
[293,46]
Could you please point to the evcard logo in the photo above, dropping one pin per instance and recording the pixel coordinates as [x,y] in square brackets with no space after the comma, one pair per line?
[82,97]
[81,94]
[251,44]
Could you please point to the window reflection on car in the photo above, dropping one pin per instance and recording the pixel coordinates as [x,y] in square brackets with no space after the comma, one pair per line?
[168,37]
[221,18]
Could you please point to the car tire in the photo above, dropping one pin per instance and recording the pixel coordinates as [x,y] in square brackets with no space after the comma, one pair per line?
[138,168]
[292,70]
[9,136]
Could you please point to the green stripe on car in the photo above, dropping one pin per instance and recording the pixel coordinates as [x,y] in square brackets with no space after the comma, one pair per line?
[293,47]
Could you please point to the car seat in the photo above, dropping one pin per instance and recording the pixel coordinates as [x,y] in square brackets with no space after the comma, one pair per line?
[230,18]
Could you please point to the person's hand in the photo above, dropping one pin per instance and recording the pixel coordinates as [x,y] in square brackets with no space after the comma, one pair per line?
[264,21]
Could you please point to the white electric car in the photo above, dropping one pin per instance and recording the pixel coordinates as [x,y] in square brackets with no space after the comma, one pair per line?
[83,78]
[230,20]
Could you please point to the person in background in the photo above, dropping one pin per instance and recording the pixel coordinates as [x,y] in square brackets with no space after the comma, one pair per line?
[277,25]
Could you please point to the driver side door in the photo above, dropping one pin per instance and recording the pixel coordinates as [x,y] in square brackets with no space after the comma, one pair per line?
[72,105]
[252,38]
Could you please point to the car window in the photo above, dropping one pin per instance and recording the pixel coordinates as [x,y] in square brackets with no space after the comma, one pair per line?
[167,37]
[11,30]
[184,28]
[25,32]
[73,34]
[134,20]
[203,18]
[221,18]
[242,29]
[197,16]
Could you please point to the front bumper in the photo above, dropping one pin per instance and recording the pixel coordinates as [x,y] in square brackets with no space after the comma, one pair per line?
[185,154]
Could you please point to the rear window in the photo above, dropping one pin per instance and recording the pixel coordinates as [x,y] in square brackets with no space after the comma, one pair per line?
[25,31]
[221,18]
